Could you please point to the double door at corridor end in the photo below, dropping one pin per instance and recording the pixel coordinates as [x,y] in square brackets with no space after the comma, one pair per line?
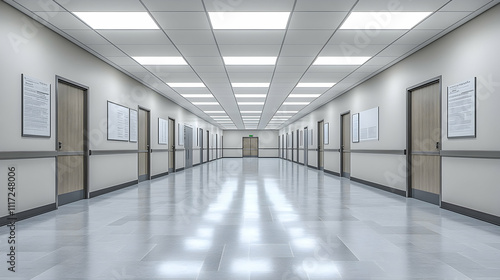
[250,146]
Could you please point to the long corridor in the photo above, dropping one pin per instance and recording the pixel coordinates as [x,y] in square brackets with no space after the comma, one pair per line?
[252,219]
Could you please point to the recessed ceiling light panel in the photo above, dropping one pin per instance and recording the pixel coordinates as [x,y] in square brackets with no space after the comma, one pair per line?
[249,20]
[186,85]
[315,85]
[250,85]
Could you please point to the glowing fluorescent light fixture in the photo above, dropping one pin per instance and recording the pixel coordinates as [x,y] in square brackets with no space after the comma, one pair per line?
[250,103]
[341,60]
[117,20]
[384,20]
[250,95]
[214,112]
[249,60]
[315,85]
[249,20]
[160,60]
[186,85]
[287,112]
[250,85]
[251,112]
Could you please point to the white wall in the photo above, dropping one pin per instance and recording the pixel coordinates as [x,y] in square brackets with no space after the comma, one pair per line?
[40,53]
[470,51]
[268,142]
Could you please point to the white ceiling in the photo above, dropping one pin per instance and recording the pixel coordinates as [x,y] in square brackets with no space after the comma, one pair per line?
[312,31]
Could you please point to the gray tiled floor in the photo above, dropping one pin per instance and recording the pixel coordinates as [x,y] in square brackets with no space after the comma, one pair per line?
[253,219]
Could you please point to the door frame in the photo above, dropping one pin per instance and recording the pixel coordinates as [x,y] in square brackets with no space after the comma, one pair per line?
[86,144]
[321,142]
[172,145]
[139,107]
[208,145]
[342,143]
[306,146]
[200,139]
[438,80]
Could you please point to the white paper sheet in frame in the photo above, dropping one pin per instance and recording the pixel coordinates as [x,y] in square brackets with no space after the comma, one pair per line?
[462,109]
[133,126]
[368,125]
[118,122]
[355,128]
[180,132]
[162,131]
[36,107]
[326,133]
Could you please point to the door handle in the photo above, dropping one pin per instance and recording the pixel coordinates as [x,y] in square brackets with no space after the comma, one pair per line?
[437,145]
[59,145]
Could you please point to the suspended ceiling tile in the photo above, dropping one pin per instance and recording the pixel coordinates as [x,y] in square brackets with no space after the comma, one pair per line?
[255,50]
[308,91]
[214,61]
[316,20]
[397,50]
[248,6]
[306,37]
[301,50]
[250,69]
[399,5]
[332,68]
[182,20]
[291,68]
[352,50]
[169,69]
[464,5]
[103,6]
[362,38]
[107,50]
[323,77]
[198,50]
[87,37]
[380,60]
[250,90]
[249,37]
[324,5]
[197,36]
[63,20]
[149,50]
[132,37]
[442,20]
[174,5]
[416,36]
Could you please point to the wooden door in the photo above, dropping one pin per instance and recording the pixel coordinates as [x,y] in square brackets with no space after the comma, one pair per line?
[425,161]
[171,143]
[143,145]
[247,150]
[254,146]
[346,145]
[71,143]
[321,145]
[188,146]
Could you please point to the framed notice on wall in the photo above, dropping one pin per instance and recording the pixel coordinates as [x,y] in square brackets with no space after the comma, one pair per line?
[355,128]
[162,131]
[300,137]
[368,125]
[118,122]
[326,133]
[311,137]
[133,126]
[462,109]
[36,109]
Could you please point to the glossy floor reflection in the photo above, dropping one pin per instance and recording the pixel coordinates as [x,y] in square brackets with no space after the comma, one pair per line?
[253,219]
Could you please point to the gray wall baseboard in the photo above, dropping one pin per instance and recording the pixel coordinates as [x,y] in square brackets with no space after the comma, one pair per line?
[379,186]
[492,219]
[29,213]
[112,189]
